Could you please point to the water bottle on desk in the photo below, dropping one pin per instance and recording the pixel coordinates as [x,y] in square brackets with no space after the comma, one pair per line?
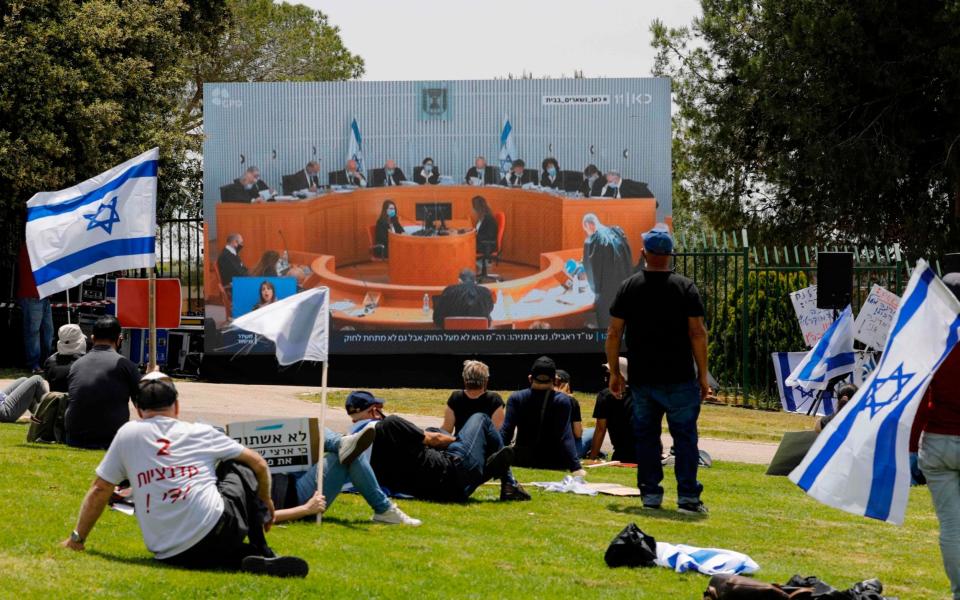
[426,303]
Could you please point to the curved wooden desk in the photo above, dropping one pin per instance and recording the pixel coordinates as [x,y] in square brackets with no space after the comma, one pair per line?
[433,260]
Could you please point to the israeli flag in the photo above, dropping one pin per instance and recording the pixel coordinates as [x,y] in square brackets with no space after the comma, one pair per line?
[508,147]
[355,146]
[796,399]
[859,462]
[707,561]
[832,356]
[297,325]
[105,224]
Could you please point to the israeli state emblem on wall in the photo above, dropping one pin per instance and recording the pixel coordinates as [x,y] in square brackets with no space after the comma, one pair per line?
[434,102]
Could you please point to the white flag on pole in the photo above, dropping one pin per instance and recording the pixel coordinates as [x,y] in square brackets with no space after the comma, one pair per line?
[860,461]
[355,146]
[508,147]
[297,325]
[831,357]
[107,223]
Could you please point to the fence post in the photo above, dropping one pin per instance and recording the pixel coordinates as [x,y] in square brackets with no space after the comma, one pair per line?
[897,280]
[745,316]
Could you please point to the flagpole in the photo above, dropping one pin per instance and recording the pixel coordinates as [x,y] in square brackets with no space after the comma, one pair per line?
[152,318]
[323,429]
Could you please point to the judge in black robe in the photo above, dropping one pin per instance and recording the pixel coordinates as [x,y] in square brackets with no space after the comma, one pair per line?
[607,261]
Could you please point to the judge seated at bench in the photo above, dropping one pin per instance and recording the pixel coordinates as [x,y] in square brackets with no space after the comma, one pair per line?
[388,176]
[464,299]
[518,175]
[480,173]
[252,184]
[350,175]
[618,187]
[550,178]
[306,179]
[427,173]
[593,183]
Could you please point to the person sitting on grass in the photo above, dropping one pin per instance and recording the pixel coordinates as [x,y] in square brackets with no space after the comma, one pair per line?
[613,415]
[541,418]
[475,399]
[71,345]
[582,437]
[431,465]
[197,493]
[21,395]
[100,385]
[295,494]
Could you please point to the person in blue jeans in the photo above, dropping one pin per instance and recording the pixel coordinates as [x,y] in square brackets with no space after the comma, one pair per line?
[662,315]
[296,495]
[37,316]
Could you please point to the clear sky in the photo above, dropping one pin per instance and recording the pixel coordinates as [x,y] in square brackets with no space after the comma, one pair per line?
[455,39]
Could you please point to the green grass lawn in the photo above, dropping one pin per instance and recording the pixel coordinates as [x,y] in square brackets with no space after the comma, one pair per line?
[716,420]
[551,547]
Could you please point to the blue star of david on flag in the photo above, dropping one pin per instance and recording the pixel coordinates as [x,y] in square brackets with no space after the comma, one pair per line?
[875,403]
[112,217]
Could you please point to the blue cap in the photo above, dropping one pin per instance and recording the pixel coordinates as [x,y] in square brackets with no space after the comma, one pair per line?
[658,240]
[360,401]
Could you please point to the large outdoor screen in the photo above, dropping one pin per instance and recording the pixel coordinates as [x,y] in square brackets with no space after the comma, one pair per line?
[444,216]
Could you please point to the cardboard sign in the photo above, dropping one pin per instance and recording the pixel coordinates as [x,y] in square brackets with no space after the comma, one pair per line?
[133,303]
[288,445]
[814,322]
[875,318]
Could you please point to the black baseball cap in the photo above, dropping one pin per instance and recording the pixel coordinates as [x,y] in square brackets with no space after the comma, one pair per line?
[544,370]
[562,376]
[360,401]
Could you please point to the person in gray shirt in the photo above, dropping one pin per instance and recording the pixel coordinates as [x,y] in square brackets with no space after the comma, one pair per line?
[100,385]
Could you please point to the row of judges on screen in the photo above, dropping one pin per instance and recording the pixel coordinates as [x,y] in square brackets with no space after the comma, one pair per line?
[589,183]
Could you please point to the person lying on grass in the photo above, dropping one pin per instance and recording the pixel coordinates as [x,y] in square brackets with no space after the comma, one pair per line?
[197,493]
[296,496]
[431,465]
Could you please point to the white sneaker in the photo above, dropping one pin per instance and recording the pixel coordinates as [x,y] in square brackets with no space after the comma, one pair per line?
[395,516]
[352,446]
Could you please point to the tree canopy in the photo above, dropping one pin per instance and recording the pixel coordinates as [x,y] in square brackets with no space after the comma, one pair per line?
[811,121]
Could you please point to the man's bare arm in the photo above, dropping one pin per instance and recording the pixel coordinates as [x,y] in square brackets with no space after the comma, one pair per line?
[96,500]
[697,330]
[614,333]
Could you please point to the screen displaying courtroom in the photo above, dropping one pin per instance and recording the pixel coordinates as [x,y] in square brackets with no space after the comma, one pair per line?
[493,216]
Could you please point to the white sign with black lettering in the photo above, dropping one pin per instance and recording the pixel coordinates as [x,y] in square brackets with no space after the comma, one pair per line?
[814,322]
[576,100]
[875,318]
[288,445]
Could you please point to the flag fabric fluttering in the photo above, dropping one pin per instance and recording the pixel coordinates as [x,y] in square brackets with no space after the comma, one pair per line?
[104,224]
[796,399]
[831,357]
[860,461]
[355,146]
[508,147]
[297,325]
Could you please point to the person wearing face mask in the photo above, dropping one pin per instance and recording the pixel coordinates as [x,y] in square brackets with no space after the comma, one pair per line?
[518,176]
[388,176]
[307,179]
[388,221]
[229,263]
[550,178]
[252,184]
[592,183]
[427,173]
[618,187]
[480,173]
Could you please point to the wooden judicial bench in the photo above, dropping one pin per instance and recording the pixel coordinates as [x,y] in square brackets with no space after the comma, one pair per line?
[542,231]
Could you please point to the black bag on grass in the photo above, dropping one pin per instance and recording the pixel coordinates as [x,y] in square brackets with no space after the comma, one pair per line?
[631,548]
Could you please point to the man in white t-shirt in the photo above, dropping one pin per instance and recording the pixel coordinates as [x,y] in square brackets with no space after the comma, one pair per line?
[198,494]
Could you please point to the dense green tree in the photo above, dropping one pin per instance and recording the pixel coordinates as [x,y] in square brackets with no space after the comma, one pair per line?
[816,120]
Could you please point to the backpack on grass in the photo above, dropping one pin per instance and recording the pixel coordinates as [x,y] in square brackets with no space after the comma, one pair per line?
[47,423]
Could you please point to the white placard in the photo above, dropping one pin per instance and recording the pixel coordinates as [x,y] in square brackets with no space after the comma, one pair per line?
[875,318]
[288,445]
[814,322]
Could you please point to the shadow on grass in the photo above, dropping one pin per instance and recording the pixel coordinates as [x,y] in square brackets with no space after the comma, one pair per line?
[142,561]
[669,515]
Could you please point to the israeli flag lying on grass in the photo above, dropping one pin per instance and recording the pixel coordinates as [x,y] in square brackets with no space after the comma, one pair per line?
[508,147]
[832,356]
[107,223]
[859,462]
[355,146]
[708,561]
[297,325]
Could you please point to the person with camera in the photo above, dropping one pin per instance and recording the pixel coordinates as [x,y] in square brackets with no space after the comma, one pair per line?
[100,385]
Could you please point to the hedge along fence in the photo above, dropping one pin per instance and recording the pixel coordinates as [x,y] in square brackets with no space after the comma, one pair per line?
[746,294]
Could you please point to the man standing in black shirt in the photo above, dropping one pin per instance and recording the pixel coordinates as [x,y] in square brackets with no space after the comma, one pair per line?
[613,415]
[665,333]
[541,418]
[101,384]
